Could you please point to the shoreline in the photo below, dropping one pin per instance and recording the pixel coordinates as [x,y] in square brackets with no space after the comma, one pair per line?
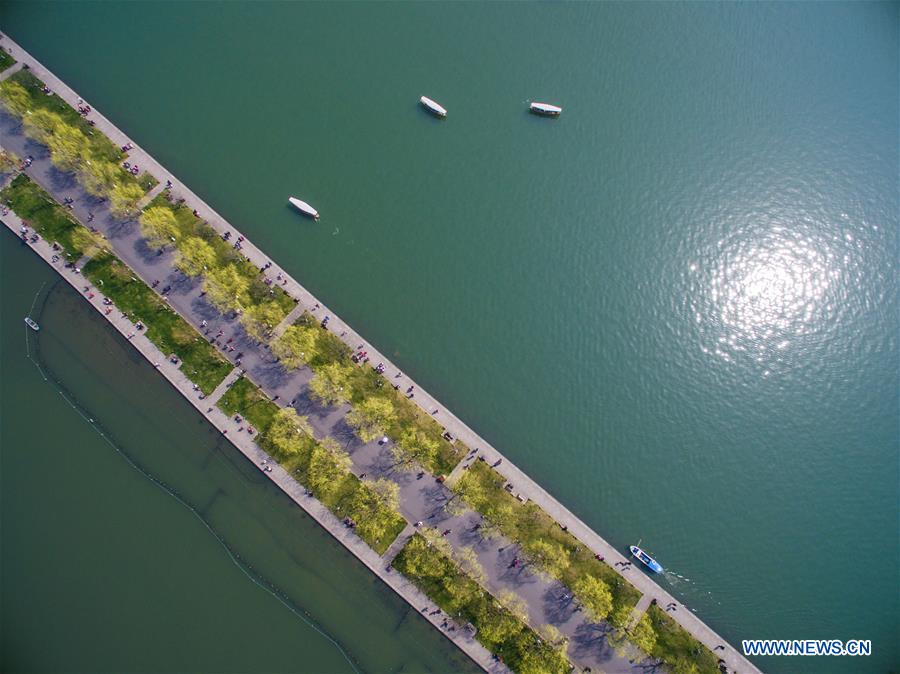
[524,485]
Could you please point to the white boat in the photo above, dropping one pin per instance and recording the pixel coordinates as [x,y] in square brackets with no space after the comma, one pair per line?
[31,324]
[436,108]
[646,559]
[304,208]
[545,109]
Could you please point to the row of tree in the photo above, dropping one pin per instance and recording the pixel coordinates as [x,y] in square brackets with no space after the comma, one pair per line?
[502,515]
[227,285]
[454,579]
[372,504]
[375,411]
[72,151]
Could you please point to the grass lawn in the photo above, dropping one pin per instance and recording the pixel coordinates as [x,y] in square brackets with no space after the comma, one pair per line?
[482,488]
[101,147]
[501,632]
[200,361]
[245,398]
[147,181]
[52,221]
[681,652]
[366,383]
[5,60]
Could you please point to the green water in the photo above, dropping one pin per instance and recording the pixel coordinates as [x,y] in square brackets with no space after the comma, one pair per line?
[103,569]
[675,306]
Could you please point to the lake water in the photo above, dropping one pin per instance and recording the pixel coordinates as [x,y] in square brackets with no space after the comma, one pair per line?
[675,306]
[134,539]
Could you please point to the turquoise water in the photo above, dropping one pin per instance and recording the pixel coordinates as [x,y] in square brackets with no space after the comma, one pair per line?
[206,567]
[675,306]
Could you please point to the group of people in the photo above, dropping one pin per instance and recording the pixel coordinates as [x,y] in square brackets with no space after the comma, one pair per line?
[131,168]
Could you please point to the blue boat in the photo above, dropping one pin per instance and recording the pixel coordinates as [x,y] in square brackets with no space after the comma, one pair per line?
[646,559]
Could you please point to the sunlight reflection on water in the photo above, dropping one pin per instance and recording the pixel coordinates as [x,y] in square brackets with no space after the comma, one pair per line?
[766,290]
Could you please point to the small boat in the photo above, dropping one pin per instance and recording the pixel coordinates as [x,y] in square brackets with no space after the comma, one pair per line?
[304,208]
[31,324]
[433,107]
[646,559]
[545,109]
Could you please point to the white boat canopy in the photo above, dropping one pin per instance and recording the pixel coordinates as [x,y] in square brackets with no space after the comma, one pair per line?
[436,108]
[304,207]
[545,108]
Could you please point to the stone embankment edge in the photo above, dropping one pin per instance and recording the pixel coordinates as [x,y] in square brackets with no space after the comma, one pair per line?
[244,443]
[523,485]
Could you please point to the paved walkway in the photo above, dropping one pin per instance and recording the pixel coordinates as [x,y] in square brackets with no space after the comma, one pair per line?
[14,68]
[220,390]
[265,370]
[639,610]
[245,444]
[421,497]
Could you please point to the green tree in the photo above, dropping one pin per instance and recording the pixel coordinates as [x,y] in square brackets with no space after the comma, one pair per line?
[328,466]
[415,447]
[619,617]
[259,320]
[552,635]
[98,177]
[288,432]
[595,596]
[227,288]
[194,255]
[471,489]
[436,542]
[373,507]
[643,635]
[499,516]
[536,657]
[371,417]
[423,561]
[15,97]
[123,199]
[551,558]
[295,346]
[387,493]
[41,125]
[331,385]
[514,604]
[8,161]
[467,560]
[87,241]
[159,227]
[67,146]
[496,626]
[460,592]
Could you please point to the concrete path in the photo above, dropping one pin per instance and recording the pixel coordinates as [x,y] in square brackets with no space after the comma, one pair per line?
[245,444]
[288,321]
[151,195]
[14,68]
[265,370]
[220,390]
[639,610]
[421,497]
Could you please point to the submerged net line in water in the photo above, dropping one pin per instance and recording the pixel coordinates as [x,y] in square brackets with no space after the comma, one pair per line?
[34,355]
